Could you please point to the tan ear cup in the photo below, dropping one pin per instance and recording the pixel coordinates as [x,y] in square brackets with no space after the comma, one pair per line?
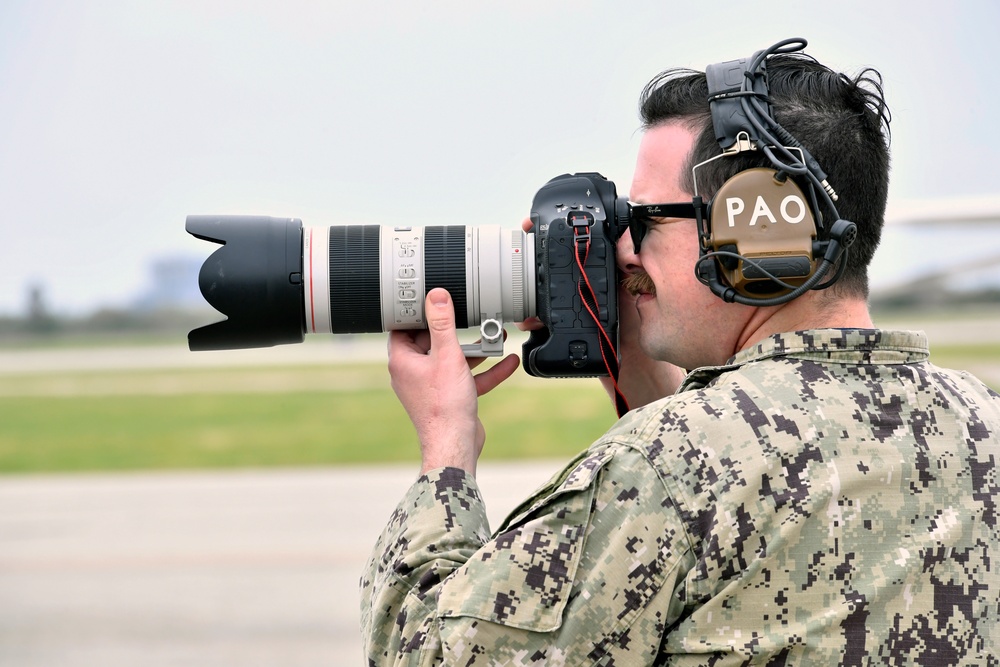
[764,229]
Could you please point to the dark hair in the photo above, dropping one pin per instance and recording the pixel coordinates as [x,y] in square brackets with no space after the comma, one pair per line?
[843,122]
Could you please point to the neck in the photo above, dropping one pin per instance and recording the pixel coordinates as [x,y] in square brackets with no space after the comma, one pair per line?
[814,310]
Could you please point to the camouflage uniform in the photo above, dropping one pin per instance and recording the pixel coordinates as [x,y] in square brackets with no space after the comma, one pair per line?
[826,498]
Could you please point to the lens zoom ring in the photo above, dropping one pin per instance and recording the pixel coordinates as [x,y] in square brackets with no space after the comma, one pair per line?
[444,266]
[355,303]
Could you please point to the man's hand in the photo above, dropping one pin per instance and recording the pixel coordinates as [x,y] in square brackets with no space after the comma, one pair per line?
[435,384]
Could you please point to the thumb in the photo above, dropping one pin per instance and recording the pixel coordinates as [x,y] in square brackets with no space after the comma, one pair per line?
[440,314]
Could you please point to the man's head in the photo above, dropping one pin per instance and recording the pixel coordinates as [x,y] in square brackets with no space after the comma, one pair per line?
[843,122]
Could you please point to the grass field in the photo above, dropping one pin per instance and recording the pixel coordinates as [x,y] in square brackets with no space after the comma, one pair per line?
[87,420]
[263,417]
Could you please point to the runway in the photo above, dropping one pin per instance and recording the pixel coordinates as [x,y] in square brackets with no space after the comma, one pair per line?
[245,568]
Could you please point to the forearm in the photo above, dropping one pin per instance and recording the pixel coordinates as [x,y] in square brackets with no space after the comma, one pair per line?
[436,528]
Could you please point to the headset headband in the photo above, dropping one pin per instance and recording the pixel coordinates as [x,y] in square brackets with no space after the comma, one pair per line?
[742,265]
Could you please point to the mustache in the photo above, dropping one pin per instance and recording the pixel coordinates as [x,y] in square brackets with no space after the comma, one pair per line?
[638,283]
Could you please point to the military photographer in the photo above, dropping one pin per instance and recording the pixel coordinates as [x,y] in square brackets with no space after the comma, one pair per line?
[810,490]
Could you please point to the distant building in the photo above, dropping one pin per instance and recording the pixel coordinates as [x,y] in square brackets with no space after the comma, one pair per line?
[39,318]
[173,285]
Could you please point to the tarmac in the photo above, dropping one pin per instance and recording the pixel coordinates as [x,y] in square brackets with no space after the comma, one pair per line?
[248,568]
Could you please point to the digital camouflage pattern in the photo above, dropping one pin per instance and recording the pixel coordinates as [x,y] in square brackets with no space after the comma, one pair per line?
[827,498]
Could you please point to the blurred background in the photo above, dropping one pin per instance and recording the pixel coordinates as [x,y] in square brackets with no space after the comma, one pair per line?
[165,507]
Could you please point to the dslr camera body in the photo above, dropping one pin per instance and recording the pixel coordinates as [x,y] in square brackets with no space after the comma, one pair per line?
[577,220]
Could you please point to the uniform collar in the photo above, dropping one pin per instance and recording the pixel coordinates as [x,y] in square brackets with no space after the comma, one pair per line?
[839,346]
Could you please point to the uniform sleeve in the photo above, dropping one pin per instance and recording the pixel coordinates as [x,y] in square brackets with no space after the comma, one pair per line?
[584,572]
[438,525]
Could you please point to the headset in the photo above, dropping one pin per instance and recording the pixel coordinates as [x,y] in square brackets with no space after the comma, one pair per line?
[763,237]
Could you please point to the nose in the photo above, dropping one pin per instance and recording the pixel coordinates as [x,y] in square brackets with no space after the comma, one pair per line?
[625,254]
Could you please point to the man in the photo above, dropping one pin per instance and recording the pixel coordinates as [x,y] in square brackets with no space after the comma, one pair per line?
[814,493]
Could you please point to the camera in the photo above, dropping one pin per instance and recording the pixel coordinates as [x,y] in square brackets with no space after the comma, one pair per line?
[276,280]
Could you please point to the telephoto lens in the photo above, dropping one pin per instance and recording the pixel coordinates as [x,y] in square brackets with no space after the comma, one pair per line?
[276,280]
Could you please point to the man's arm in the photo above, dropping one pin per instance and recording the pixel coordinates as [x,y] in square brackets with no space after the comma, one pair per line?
[441,521]
[440,528]
[437,527]
[583,571]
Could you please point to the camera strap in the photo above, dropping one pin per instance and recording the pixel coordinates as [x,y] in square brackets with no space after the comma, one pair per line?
[581,235]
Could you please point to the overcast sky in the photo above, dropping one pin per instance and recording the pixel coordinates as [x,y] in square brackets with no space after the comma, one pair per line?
[120,117]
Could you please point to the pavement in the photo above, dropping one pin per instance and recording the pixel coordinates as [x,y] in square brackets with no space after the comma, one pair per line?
[248,568]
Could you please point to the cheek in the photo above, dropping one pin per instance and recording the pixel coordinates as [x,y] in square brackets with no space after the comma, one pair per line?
[674,260]
[677,241]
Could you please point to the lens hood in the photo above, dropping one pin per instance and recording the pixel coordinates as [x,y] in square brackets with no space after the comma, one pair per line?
[254,279]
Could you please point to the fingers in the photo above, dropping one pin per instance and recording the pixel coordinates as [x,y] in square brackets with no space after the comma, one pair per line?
[440,334]
[440,340]
[440,314]
[475,362]
[418,342]
[489,379]
[530,324]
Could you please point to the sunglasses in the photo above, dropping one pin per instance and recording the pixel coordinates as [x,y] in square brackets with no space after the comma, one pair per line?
[640,217]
